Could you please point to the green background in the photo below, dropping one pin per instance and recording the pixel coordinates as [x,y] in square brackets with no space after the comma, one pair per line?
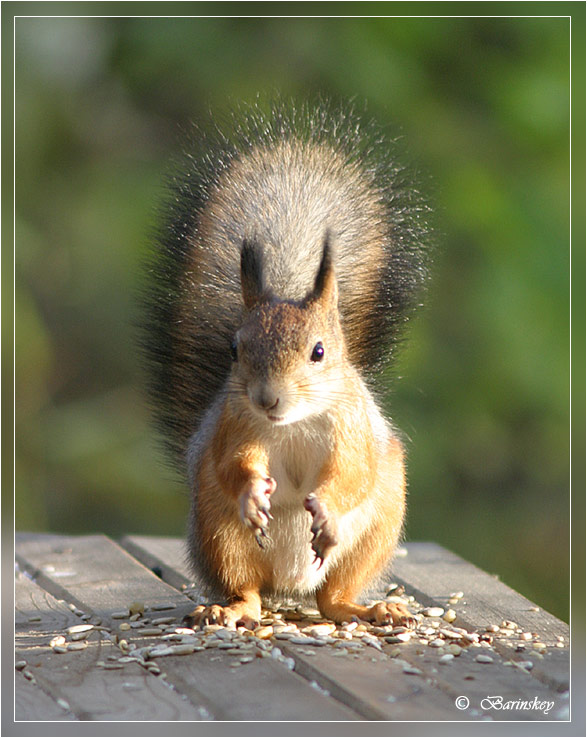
[482,387]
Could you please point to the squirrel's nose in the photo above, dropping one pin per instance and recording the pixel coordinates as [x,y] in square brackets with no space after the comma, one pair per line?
[266,399]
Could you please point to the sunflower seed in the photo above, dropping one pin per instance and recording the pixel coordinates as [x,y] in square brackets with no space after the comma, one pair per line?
[434,612]
[120,615]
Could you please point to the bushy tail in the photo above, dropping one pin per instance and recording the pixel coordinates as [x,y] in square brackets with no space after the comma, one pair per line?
[284,177]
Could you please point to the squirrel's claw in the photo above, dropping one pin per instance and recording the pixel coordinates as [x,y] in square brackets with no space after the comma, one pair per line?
[323,529]
[261,536]
[255,506]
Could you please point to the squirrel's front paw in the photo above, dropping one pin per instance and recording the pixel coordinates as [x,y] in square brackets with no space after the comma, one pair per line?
[255,507]
[323,528]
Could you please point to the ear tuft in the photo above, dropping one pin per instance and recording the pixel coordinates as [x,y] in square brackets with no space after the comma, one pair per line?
[325,286]
[252,274]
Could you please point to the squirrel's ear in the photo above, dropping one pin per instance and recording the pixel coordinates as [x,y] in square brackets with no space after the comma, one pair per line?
[252,277]
[325,286]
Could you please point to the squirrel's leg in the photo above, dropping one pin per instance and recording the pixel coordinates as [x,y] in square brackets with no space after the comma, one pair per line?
[336,598]
[231,516]
[366,554]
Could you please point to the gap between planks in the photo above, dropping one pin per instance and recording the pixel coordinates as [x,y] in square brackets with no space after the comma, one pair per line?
[165,556]
[99,577]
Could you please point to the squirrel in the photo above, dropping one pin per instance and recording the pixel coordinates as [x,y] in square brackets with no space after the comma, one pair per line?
[291,254]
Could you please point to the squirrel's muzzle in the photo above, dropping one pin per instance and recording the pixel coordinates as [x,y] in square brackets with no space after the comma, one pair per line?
[264,397]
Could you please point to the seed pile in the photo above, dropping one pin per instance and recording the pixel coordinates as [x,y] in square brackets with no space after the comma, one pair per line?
[302,627]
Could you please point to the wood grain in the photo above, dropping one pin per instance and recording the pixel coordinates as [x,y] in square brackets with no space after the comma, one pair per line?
[91,692]
[375,685]
[99,577]
[432,573]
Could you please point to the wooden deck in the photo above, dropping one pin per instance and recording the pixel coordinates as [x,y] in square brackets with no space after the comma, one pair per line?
[111,672]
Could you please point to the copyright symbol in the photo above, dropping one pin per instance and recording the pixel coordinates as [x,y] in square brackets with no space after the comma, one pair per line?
[462,702]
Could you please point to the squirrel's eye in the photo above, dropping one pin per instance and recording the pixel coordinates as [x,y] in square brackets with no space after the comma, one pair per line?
[233,351]
[318,352]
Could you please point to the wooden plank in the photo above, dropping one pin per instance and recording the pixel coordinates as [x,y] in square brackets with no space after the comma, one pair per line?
[156,551]
[376,686]
[94,573]
[101,578]
[31,703]
[365,685]
[76,678]
[432,573]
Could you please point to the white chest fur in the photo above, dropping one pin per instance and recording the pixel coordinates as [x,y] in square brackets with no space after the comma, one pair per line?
[297,455]
[296,458]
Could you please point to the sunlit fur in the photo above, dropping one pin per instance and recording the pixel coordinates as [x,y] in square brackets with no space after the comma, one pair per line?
[331,441]
[282,174]
[241,258]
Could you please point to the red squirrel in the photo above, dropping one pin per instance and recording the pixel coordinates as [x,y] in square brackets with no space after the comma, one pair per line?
[292,255]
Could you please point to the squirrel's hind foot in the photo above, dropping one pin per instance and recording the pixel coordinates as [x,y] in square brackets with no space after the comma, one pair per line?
[231,616]
[391,613]
[381,613]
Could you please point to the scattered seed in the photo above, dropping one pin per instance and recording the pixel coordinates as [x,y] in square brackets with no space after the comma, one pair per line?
[509,624]
[63,703]
[120,615]
[492,629]
[451,634]
[149,631]
[436,643]
[79,646]
[449,616]
[163,606]
[35,619]
[137,608]
[162,621]
[161,651]
[113,665]
[433,612]
[446,658]
[79,629]
[399,638]
[59,649]
[185,631]
[483,658]
[264,632]
[323,629]
[412,670]
[20,665]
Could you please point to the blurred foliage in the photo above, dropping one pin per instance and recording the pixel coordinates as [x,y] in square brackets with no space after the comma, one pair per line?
[482,104]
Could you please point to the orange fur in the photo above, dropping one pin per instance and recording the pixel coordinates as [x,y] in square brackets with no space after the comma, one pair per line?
[347,496]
